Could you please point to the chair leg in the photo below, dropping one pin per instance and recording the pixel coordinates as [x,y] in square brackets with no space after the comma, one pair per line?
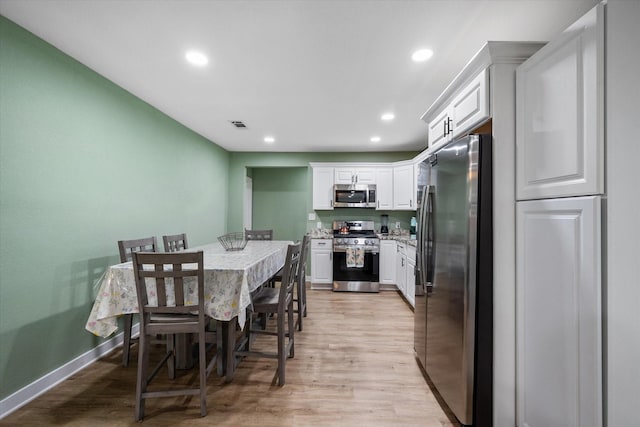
[292,329]
[304,298]
[141,381]
[126,346]
[202,345]
[300,308]
[171,361]
[282,347]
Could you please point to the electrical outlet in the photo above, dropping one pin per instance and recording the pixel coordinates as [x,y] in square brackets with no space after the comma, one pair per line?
[312,216]
[398,225]
[319,225]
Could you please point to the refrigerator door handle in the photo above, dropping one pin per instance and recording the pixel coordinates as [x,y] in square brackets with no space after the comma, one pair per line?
[430,242]
[423,233]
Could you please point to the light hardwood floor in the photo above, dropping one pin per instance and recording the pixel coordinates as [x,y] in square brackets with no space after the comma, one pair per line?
[353,366]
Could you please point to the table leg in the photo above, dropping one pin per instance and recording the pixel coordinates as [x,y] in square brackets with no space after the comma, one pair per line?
[230,344]
[184,351]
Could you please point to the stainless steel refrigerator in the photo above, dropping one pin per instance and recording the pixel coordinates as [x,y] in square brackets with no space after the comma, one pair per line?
[453,335]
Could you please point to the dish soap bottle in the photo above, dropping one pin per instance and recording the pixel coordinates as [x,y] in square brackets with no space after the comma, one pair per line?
[412,227]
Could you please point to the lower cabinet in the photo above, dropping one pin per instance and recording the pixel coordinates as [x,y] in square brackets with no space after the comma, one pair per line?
[410,276]
[387,262]
[401,268]
[321,261]
[558,312]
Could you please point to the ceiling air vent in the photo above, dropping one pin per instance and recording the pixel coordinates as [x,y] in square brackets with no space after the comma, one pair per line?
[238,124]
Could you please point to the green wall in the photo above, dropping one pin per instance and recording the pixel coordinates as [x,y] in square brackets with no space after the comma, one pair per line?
[279,201]
[83,163]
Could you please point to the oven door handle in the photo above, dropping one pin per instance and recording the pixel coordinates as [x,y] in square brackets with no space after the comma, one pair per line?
[374,251]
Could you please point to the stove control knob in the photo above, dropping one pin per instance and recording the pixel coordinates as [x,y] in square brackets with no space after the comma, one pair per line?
[339,241]
[368,242]
[355,242]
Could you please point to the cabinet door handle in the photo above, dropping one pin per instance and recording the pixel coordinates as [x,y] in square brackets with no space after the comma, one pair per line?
[410,203]
[331,203]
[330,256]
[449,127]
[444,130]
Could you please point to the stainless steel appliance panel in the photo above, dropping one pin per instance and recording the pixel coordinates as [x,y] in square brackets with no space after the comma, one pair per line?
[454,258]
[354,196]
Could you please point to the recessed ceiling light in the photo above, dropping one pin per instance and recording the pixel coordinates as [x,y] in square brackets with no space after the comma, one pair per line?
[422,55]
[388,116]
[196,58]
[269,139]
[375,139]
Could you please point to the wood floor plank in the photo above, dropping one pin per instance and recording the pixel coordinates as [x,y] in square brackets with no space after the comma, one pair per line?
[353,366]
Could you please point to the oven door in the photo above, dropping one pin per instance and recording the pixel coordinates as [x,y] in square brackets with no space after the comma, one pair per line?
[357,279]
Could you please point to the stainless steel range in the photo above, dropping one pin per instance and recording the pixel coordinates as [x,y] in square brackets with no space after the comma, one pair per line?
[356,257]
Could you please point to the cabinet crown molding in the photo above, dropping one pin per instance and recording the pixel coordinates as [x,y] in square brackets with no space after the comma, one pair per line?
[493,52]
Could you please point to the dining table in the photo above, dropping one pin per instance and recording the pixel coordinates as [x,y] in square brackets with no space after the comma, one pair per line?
[230,277]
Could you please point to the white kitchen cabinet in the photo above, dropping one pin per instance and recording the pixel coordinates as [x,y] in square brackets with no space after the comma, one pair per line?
[321,261]
[440,127]
[558,306]
[354,175]
[403,188]
[388,262]
[468,109]
[322,188]
[401,267]
[410,276]
[384,189]
[560,114]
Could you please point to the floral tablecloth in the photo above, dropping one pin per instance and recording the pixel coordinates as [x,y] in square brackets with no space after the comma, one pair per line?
[229,279]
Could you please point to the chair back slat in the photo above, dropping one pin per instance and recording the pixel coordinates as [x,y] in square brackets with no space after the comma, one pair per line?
[175,242]
[128,247]
[258,234]
[179,285]
[161,285]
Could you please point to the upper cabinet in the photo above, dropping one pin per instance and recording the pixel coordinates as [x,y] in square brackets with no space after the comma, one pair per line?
[469,108]
[559,114]
[403,188]
[322,188]
[353,175]
[384,188]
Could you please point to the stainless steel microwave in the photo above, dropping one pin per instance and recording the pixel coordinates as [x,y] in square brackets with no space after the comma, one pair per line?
[354,196]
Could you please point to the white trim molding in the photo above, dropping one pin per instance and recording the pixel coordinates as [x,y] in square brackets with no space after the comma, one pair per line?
[29,392]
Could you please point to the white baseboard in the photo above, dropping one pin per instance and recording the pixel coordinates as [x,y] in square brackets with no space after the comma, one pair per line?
[53,378]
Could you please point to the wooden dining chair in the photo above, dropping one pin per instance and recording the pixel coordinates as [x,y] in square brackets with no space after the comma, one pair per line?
[175,242]
[300,299]
[258,234]
[166,307]
[127,248]
[278,301]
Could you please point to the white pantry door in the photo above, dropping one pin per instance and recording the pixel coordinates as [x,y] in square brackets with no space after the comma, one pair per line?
[558,313]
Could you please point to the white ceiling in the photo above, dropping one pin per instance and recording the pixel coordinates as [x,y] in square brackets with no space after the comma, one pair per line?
[315,74]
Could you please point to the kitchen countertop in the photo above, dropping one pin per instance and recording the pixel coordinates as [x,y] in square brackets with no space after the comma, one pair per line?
[321,233]
[399,236]
[403,238]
